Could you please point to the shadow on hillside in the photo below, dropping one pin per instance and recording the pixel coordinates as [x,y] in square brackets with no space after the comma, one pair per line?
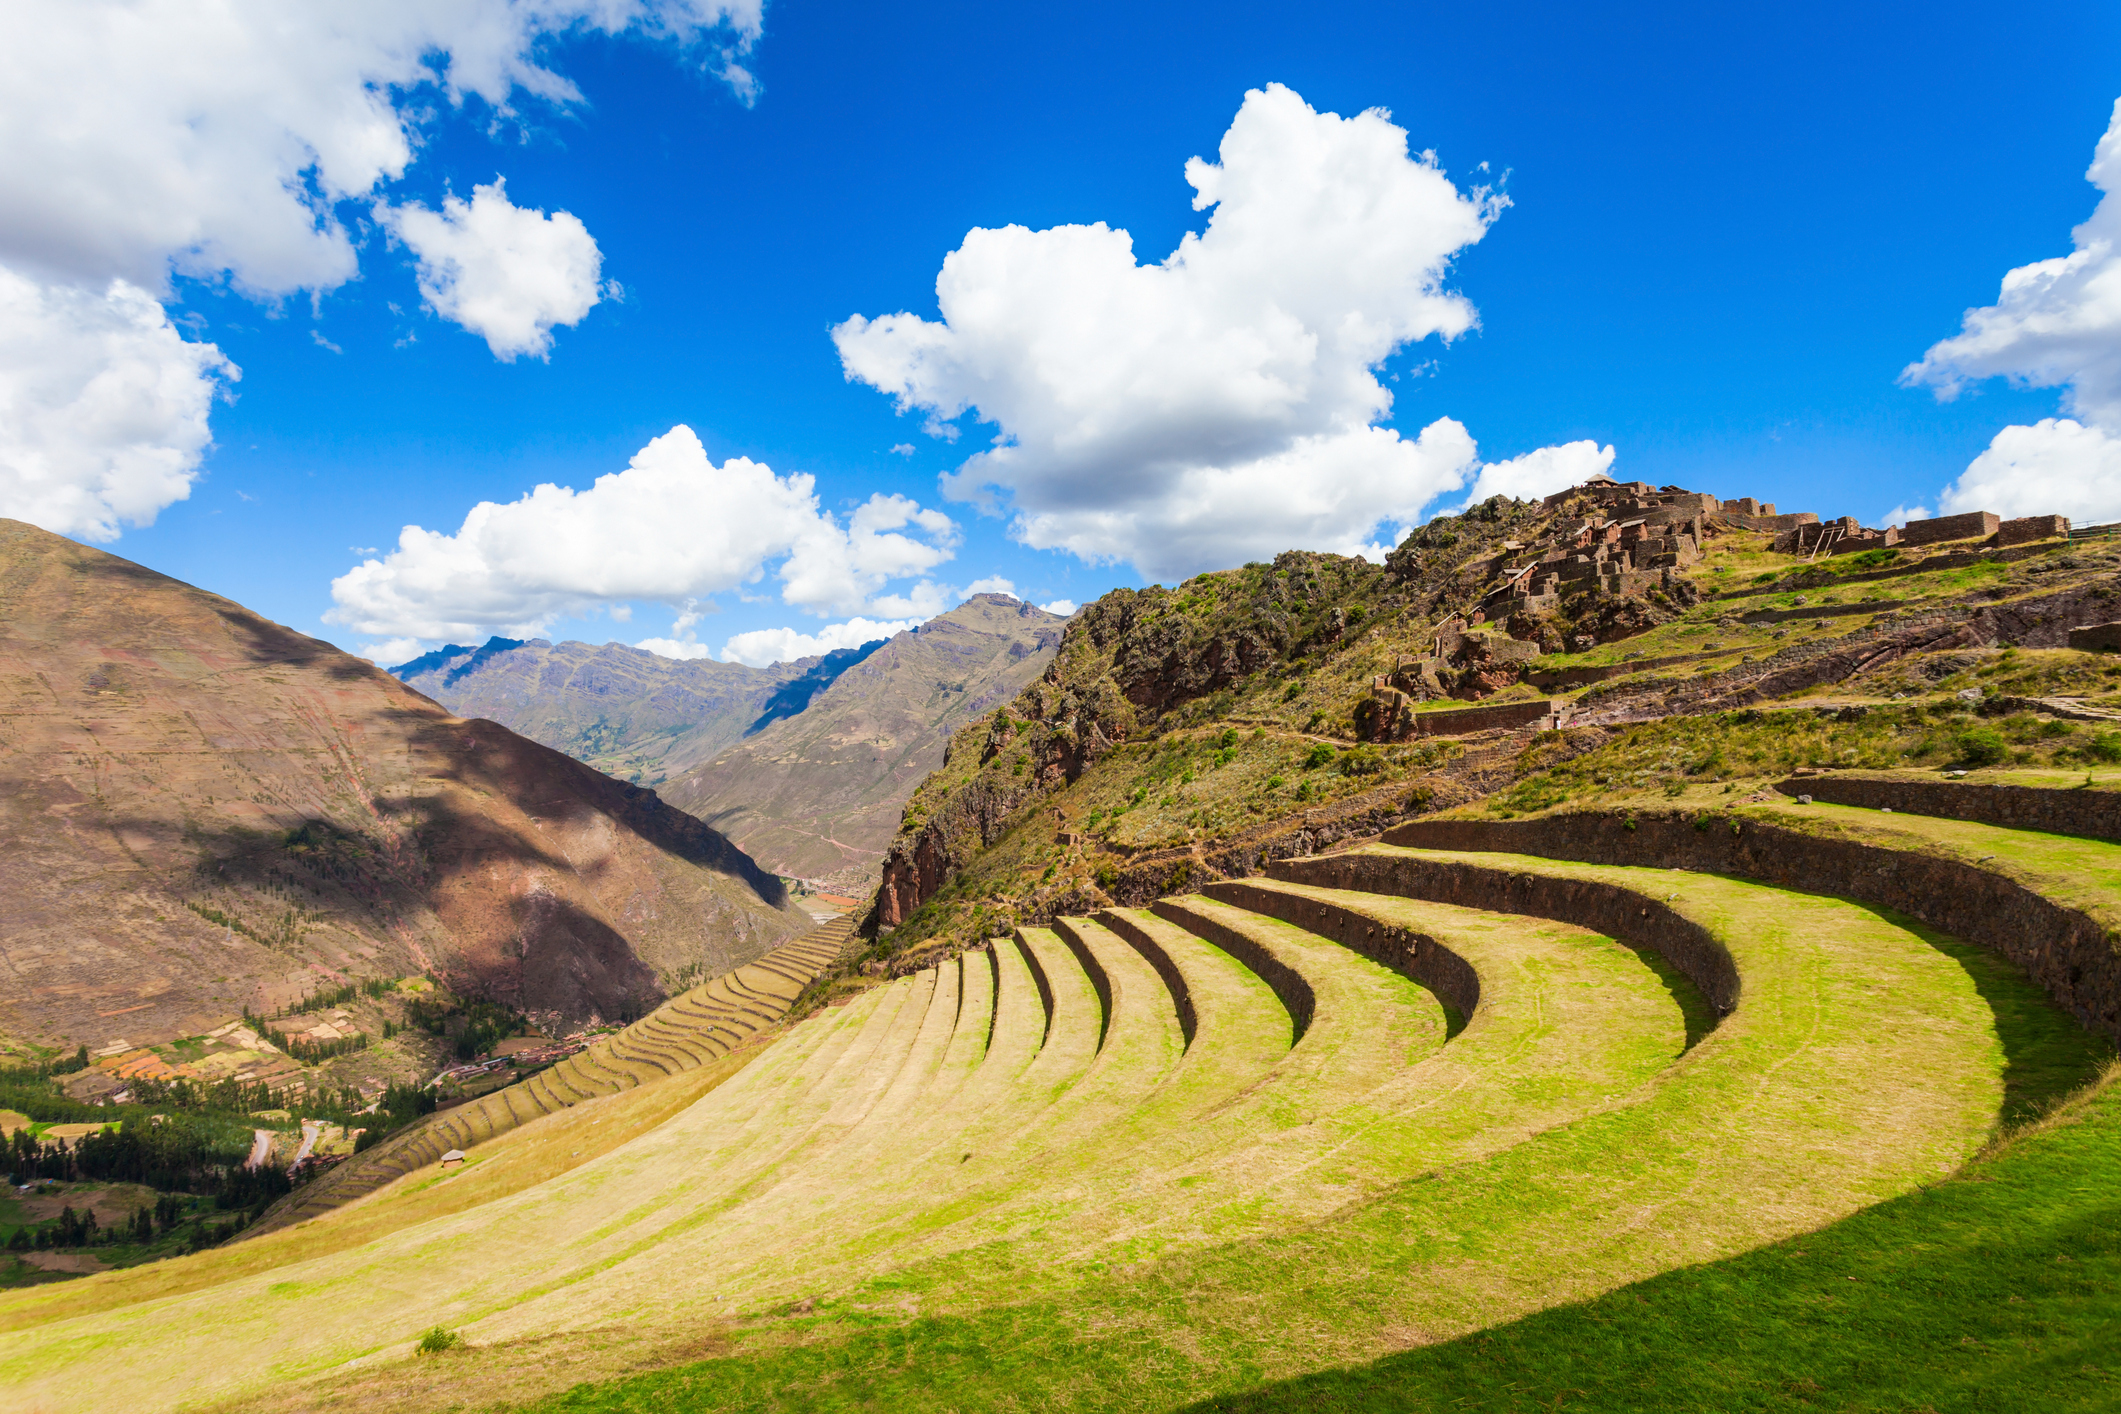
[484,756]
[2047,1054]
[1694,1008]
[1971,1296]
[269,642]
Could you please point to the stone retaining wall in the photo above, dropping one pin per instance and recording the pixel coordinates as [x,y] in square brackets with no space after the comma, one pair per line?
[2095,638]
[1408,952]
[1617,912]
[2095,814]
[1467,720]
[1288,984]
[1765,522]
[2026,529]
[2066,951]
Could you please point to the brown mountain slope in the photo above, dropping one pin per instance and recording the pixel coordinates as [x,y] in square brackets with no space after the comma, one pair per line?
[625,711]
[818,795]
[201,810]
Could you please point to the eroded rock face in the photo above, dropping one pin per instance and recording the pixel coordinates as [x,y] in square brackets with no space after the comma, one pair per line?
[201,810]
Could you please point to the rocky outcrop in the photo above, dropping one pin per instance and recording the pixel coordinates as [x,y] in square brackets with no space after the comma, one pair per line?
[915,870]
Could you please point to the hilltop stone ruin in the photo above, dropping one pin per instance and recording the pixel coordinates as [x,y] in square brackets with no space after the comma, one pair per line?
[1611,565]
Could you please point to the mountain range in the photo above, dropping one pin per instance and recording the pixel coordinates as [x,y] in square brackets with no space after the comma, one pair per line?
[818,794]
[804,765]
[628,712]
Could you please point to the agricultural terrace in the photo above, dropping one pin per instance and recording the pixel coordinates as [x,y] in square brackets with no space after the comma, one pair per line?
[1273,1128]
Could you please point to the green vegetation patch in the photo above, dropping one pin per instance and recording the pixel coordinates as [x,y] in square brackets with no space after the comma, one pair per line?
[1668,756]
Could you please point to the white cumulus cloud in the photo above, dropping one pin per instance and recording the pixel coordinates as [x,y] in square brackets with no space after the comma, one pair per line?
[1064,607]
[1527,477]
[504,272]
[762,646]
[392,651]
[2056,323]
[673,528]
[103,406]
[1222,403]
[2057,466]
[146,135]
[992,584]
[151,138]
[1542,472]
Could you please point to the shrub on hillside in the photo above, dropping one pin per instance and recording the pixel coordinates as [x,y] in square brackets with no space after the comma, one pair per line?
[1983,746]
[436,1339]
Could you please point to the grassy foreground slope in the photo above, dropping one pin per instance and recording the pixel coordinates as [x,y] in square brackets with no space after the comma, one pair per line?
[1992,1290]
[1372,1189]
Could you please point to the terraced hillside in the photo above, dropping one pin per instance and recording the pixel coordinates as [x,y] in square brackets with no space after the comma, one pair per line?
[1270,710]
[687,1032]
[1370,1102]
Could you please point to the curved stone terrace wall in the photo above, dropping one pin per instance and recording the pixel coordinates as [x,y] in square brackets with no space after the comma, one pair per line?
[2066,951]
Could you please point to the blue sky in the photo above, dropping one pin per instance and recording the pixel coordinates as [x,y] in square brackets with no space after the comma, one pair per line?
[1727,232]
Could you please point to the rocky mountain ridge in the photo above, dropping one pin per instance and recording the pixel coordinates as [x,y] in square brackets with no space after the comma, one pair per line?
[1254,713]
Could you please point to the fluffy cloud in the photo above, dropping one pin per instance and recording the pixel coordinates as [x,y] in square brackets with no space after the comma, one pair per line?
[673,527]
[1536,473]
[1064,607]
[2056,323]
[392,651]
[506,273]
[1543,472]
[2057,466]
[1322,493]
[146,138]
[784,645]
[142,137]
[1221,403]
[103,406]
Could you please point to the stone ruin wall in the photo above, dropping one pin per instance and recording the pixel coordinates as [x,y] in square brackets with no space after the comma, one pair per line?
[1636,539]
